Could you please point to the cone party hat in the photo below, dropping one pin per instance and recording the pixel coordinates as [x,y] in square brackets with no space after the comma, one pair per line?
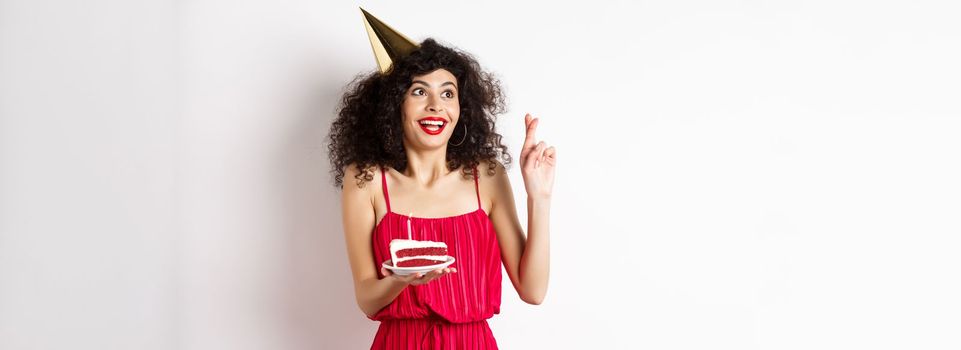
[388,44]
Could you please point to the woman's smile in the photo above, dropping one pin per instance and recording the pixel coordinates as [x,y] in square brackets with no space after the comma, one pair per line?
[432,125]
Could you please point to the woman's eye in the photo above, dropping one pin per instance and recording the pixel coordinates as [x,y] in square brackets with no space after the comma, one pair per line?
[449,94]
[417,91]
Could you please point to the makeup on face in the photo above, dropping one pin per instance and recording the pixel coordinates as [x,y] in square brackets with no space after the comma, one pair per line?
[432,125]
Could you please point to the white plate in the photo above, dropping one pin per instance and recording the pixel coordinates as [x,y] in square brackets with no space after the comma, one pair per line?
[404,271]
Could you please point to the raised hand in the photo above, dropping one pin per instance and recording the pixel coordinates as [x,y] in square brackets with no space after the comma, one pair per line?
[537,163]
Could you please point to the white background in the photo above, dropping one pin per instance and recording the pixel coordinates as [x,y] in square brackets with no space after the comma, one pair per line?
[732,174]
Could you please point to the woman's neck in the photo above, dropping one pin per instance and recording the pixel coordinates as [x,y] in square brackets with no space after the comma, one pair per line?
[426,167]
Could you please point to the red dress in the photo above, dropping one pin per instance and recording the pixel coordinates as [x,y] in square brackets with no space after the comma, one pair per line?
[449,312]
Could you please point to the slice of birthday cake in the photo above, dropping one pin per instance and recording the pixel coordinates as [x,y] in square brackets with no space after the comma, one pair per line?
[411,253]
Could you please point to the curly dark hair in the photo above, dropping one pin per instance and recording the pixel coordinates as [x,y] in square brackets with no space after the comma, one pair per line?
[368,131]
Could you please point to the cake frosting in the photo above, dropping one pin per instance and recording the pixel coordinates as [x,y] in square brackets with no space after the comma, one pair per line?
[411,253]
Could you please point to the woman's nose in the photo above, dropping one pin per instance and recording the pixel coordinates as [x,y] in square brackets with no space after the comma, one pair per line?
[434,105]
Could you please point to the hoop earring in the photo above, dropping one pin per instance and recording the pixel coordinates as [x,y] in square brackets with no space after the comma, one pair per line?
[461,140]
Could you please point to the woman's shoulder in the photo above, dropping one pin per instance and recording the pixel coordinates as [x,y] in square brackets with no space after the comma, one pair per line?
[494,184]
[358,178]
[493,179]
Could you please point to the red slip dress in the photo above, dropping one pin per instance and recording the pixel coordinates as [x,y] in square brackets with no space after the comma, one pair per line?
[449,312]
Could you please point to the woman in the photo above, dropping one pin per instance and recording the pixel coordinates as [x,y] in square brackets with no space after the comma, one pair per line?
[390,162]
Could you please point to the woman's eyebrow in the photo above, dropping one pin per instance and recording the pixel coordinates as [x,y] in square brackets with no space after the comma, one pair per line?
[425,84]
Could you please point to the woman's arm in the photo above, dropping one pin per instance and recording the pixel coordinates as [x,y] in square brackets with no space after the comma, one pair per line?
[527,260]
[372,293]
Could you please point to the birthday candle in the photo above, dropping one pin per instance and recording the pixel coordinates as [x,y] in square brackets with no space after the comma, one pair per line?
[408,226]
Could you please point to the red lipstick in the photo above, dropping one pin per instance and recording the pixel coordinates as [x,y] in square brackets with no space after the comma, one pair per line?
[432,122]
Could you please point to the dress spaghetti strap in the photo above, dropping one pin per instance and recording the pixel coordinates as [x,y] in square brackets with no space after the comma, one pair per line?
[383,181]
[477,189]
